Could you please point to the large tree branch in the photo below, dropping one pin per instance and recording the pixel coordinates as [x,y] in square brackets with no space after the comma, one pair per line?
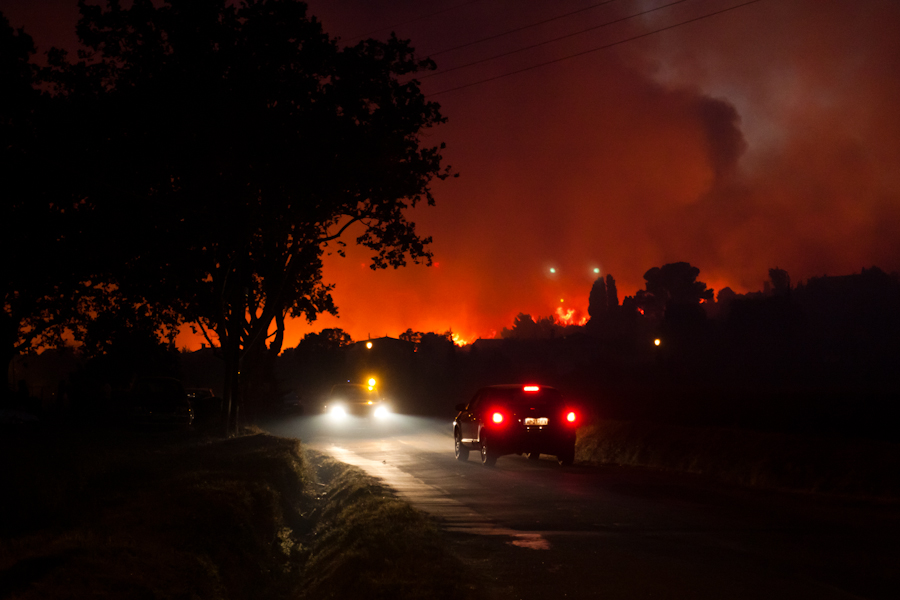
[340,232]
[205,333]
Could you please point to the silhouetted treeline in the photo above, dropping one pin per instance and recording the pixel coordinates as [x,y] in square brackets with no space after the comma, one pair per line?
[191,165]
[820,357]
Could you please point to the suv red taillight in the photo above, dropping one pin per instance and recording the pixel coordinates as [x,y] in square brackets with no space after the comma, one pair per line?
[497,418]
[571,417]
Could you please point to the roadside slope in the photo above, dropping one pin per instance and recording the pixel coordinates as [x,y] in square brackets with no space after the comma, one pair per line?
[857,468]
[112,514]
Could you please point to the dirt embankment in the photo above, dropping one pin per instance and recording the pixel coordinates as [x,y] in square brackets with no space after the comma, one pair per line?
[124,514]
[857,468]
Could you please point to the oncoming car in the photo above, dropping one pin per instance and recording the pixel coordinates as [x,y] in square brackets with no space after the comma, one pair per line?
[355,399]
[160,401]
[516,419]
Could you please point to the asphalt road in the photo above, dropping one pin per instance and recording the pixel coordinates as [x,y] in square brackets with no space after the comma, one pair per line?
[536,530]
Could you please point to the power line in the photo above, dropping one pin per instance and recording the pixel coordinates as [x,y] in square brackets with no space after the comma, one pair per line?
[556,39]
[413,20]
[598,48]
[518,29]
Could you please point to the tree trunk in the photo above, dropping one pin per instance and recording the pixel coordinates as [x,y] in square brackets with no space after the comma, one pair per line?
[7,358]
[231,389]
[278,341]
[9,334]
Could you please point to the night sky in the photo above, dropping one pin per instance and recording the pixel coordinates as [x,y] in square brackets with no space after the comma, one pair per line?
[765,136]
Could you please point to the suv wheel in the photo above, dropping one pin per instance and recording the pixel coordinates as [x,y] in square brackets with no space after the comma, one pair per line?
[488,457]
[461,452]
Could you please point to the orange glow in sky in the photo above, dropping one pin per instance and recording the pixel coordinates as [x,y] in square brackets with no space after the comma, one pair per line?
[767,136]
[757,139]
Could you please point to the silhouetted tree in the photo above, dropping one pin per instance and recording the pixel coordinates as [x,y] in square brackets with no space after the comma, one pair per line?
[434,338]
[726,295]
[612,294]
[781,281]
[411,336]
[598,299]
[603,306]
[247,141]
[524,327]
[671,286]
[724,299]
[855,321]
[326,340]
[23,319]
[105,330]
[46,271]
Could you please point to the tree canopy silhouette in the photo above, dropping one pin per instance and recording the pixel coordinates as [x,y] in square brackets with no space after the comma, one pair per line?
[45,271]
[524,327]
[672,286]
[24,317]
[326,340]
[781,281]
[226,148]
[597,300]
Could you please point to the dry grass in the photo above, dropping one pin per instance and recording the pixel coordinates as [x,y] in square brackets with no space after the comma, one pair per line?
[371,545]
[765,460]
[115,514]
[134,514]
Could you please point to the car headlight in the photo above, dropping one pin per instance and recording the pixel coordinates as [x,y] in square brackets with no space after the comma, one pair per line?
[338,412]
[381,412]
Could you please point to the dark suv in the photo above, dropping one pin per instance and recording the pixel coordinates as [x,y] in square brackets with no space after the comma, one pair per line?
[160,401]
[516,419]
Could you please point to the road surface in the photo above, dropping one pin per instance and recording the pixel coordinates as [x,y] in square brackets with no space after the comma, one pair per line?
[536,530]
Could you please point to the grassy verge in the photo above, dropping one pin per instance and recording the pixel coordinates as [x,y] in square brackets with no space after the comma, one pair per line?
[125,514]
[764,460]
[116,514]
[370,545]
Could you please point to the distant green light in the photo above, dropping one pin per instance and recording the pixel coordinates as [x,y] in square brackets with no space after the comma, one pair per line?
[596,270]
[553,269]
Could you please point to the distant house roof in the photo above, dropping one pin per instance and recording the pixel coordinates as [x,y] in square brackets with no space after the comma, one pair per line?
[383,343]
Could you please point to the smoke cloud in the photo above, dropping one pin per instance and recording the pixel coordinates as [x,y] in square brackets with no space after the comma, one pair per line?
[765,136]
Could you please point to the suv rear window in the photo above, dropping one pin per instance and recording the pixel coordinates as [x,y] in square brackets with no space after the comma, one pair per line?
[518,397]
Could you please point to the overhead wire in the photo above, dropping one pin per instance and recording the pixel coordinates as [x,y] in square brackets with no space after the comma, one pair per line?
[556,39]
[591,50]
[522,28]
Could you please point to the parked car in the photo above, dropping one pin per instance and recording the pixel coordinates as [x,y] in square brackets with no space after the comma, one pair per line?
[160,401]
[291,404]
[356,399]
[516,419]
[207,407]
[195,394]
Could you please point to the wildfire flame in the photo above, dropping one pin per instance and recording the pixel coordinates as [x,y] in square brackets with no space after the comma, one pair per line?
[565,316]
[459,341]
